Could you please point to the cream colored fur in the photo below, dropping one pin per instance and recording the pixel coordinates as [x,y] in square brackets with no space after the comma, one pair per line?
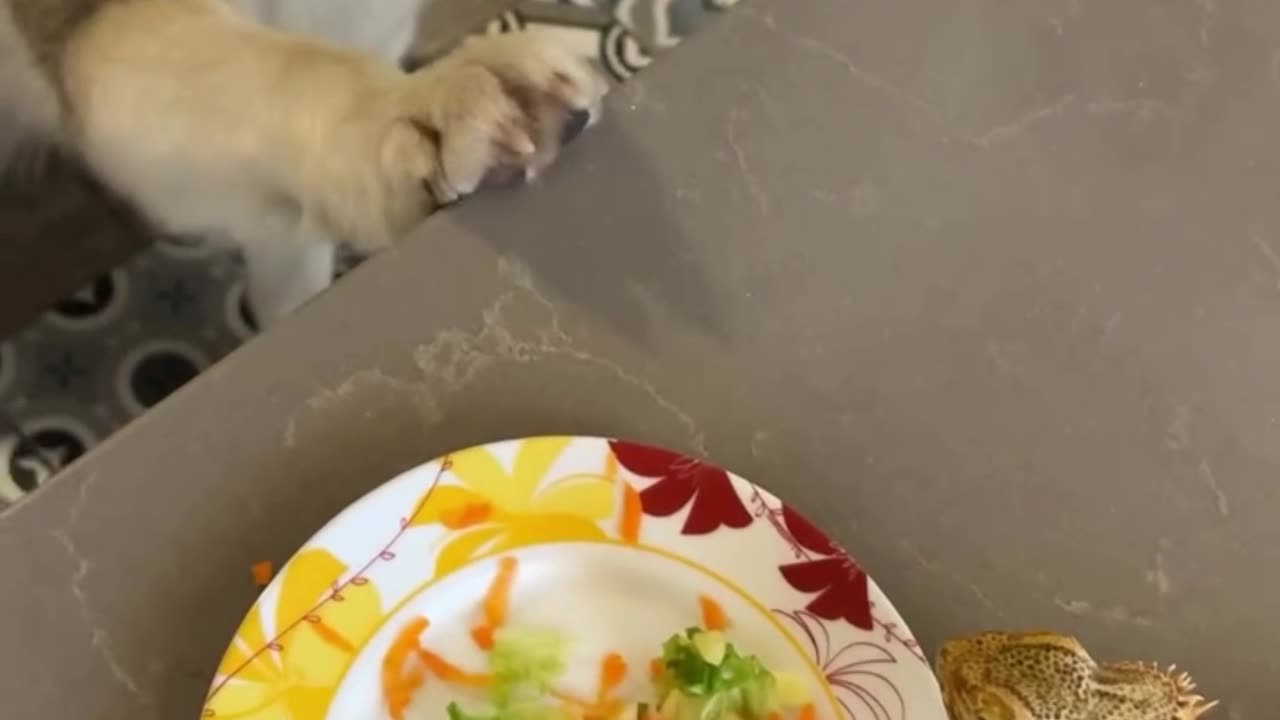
[211,122]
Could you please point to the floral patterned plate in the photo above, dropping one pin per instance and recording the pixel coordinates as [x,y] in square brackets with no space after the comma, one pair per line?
[617,543]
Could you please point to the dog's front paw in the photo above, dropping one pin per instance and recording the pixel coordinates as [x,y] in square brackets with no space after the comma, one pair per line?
[499,106]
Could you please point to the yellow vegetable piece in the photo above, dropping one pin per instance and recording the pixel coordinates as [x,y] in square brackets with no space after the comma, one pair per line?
[670,705]
[793,691]
[710,645]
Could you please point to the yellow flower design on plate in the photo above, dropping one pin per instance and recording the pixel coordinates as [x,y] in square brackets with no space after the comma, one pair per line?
[496,510]
[296,680]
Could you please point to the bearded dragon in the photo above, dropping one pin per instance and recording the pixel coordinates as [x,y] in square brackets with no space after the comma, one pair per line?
[1047,676]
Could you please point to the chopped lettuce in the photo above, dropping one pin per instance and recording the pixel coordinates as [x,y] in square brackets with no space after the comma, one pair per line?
[735,685]
[701,677]
[525,662]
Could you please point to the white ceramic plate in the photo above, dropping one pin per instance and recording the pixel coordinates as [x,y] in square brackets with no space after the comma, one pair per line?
[615,543]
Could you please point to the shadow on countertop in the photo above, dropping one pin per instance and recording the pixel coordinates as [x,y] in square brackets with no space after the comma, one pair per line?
[622,265]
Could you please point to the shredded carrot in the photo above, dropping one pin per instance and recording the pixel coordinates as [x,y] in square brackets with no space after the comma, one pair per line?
[494,605]
[632,512]
[713,617]
[613,670]
[589,710]
[807,712]
[451,673]
[405,642]
[400,694]
[399,684]
[656,668]
[483,636]
[466,516]
[570,698]
[496,600]
[261,573]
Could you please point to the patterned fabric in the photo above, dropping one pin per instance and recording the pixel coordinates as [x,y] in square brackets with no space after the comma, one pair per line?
[622,36]
[104,355]
[131,337]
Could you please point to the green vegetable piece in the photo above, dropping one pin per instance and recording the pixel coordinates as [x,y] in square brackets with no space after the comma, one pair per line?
[525,662]
[457,713]
[738,684]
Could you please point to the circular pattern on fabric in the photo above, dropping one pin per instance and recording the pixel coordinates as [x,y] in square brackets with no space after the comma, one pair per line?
[97,303]
[153,370]
[23,470]
[60,439]
[46,446]
[238,313]
[621,54]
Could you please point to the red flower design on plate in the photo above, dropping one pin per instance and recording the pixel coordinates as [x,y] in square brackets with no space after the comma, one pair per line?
[681,480]
[841,585]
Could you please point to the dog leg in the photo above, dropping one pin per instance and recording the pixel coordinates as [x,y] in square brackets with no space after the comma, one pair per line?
[199,115]
[284,275]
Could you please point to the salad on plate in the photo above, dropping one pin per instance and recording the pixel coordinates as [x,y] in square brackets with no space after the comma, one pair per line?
[696,674]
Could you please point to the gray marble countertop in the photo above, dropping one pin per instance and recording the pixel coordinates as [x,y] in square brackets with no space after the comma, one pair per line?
[991,291]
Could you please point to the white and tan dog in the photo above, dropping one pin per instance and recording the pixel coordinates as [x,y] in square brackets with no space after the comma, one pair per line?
[282,124]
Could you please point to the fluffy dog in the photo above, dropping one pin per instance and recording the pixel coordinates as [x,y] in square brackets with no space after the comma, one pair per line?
[285,125]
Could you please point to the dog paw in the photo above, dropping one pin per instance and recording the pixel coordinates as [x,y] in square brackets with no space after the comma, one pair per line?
[499,107]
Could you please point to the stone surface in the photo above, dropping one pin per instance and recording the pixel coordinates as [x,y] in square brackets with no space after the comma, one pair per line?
[990,290]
